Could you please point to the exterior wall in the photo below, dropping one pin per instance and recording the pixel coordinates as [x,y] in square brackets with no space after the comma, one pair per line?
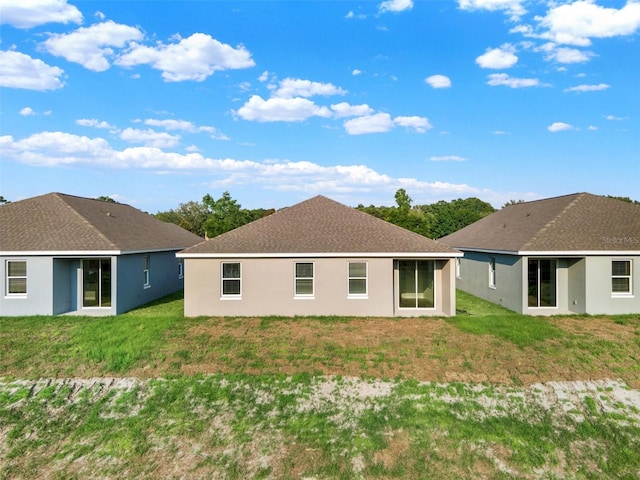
[508,290]
[267,286]
[65,285]
[599,299]
[39,297]
[576,277]
[131,292]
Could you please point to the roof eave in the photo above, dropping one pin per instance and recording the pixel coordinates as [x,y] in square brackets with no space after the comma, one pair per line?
[324,255]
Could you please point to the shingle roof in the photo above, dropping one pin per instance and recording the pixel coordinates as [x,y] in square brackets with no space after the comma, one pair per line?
[57,222]
[578,222]
[320,226]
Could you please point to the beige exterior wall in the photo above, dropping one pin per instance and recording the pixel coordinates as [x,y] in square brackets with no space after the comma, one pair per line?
[268,288]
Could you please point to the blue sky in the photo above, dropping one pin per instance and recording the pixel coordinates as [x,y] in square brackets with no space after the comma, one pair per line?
[159,103]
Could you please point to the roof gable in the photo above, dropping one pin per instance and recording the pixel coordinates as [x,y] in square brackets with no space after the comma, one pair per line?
[319,226]
[58,222]
[578,222]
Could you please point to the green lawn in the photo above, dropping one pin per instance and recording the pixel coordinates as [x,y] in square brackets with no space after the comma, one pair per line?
[150,394]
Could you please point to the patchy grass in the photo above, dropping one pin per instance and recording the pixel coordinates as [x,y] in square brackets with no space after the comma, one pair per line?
[274,426]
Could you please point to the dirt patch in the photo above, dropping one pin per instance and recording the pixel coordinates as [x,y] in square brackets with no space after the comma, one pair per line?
[424,349]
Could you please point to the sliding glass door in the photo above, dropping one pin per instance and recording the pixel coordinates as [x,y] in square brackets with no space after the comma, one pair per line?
[542,283]
[416,283]
[96,282]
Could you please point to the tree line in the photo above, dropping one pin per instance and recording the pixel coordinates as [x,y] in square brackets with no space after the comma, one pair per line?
[212,217]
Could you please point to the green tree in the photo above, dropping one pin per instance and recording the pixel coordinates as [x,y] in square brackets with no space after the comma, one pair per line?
[104,198]
[190,216]
[4,200]
[451,216]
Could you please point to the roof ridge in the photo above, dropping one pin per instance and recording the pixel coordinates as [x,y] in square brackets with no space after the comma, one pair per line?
[555,219]
[61,196]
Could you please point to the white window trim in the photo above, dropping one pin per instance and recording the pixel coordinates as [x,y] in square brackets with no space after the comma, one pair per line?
[628,294]
[458,265]
[304,296]
[230,296]
[180,268]
[358,296]
[146,272]
[6,277]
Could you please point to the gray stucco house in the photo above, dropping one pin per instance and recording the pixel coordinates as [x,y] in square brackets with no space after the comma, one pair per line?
[65,254]
[576,253]
[319,257]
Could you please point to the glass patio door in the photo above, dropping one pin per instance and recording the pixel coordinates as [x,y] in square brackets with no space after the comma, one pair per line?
[96,282]
[542,283]
[416,282]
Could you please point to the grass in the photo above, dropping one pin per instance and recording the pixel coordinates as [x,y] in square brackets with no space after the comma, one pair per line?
[150,394]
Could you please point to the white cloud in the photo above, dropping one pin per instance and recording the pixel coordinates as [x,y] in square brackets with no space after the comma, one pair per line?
[560,127]
[356,72]
[27,112]
[18,70]
[395,6]
[185,126]
[294,87]
[588,88]
[58,148]
[448,158]
[280,109]
[438,81]
[264,76]
[194,58]
[502,79]
[417,124]
[91,46]
[578,22]
[613,118]
[94,123]
[592,128]
[568,55]
[498,58]
[512,7]
[376,123]
[150,138]
[31,13]
[343,109]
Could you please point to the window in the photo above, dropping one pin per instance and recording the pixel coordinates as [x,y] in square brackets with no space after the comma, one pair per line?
[16,277]
[492,272]
[231,279]
[146,261]
[304,279]
[416,281]
[621,277]
[541,289]
[357,279]
[180,268]
[458,274]
[96,282]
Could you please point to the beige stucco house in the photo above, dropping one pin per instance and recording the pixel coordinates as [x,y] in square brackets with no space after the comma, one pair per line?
[319,257]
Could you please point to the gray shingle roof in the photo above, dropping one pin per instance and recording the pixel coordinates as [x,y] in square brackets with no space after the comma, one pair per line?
[570,223]
[58,222]
[320,226]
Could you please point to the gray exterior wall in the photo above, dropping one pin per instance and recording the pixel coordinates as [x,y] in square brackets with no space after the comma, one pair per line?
[163,275]
[583,284]
[474,278]
[599,298]
[54,284]
[39,298]
[268,289]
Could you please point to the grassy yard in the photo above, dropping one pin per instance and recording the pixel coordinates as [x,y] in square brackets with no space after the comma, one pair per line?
[485,394]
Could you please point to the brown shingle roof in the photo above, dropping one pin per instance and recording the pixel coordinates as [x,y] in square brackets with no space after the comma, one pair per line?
[578,222]
[320,226]
[58,222]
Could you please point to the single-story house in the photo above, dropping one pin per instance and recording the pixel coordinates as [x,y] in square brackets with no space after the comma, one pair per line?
[65,254]
[319,257]
[576,253]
